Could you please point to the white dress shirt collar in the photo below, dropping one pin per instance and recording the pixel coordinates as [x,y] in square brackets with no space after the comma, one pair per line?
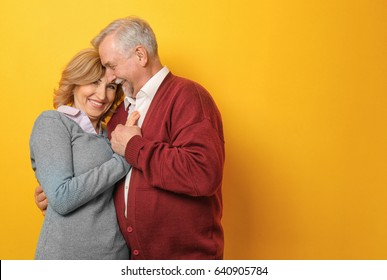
[150,88]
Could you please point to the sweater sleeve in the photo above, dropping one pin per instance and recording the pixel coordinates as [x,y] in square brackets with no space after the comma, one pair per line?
[190,159]
[51,158]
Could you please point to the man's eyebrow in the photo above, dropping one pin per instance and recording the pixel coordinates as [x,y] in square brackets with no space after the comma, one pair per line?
[107,63]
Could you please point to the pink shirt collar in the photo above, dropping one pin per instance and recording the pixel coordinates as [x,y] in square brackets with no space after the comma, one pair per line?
[79,117]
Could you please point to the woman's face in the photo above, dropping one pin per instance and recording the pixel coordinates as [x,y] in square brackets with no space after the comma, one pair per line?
[95,99]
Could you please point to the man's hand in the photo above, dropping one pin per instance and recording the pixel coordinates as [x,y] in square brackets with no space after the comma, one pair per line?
[123,133]
[41,199]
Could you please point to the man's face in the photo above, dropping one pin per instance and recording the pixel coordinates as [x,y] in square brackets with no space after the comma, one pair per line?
[120,67]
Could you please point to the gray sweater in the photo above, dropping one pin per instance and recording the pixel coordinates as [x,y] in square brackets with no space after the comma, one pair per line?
[77,171]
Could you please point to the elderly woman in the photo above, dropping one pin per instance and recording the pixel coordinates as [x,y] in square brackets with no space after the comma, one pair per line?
[76,167]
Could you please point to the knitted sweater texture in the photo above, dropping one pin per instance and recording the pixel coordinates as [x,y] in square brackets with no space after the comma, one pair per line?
[175,197]
[77,171]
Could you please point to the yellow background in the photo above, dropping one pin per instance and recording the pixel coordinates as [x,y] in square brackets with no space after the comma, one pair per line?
[302,89]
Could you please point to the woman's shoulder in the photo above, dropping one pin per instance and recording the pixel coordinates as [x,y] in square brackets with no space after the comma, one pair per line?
[51,115]
[52,118]
[47,124]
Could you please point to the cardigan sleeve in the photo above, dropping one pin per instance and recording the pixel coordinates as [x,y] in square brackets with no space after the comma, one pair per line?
[51,158]
[189,157]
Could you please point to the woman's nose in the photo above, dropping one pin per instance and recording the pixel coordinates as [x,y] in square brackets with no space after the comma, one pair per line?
[100,91]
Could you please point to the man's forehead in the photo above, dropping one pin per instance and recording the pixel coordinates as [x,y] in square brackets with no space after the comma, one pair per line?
[105,62]
[106,57]
[108,53]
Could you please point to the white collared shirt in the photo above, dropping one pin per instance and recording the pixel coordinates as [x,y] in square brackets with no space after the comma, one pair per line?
[141,104]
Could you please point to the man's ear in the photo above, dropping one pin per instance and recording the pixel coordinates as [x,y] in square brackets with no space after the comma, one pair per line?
[141,55]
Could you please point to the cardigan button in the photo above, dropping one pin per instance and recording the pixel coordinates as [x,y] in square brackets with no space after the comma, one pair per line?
[129,229]
[136,252]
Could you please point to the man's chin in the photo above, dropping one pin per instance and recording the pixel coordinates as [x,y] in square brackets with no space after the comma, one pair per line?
[127,88]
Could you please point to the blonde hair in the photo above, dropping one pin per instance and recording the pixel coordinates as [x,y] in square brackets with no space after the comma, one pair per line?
[84,68]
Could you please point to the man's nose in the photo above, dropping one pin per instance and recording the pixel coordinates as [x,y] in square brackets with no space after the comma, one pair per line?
[110,75]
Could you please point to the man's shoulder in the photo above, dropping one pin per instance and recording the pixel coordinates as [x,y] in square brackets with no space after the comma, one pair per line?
[119,117]
[178,80]
[173,83]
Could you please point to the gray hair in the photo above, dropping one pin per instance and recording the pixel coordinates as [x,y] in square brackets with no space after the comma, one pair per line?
[129,32]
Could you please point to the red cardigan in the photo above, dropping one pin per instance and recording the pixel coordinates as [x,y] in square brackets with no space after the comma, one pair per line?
[175,198]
